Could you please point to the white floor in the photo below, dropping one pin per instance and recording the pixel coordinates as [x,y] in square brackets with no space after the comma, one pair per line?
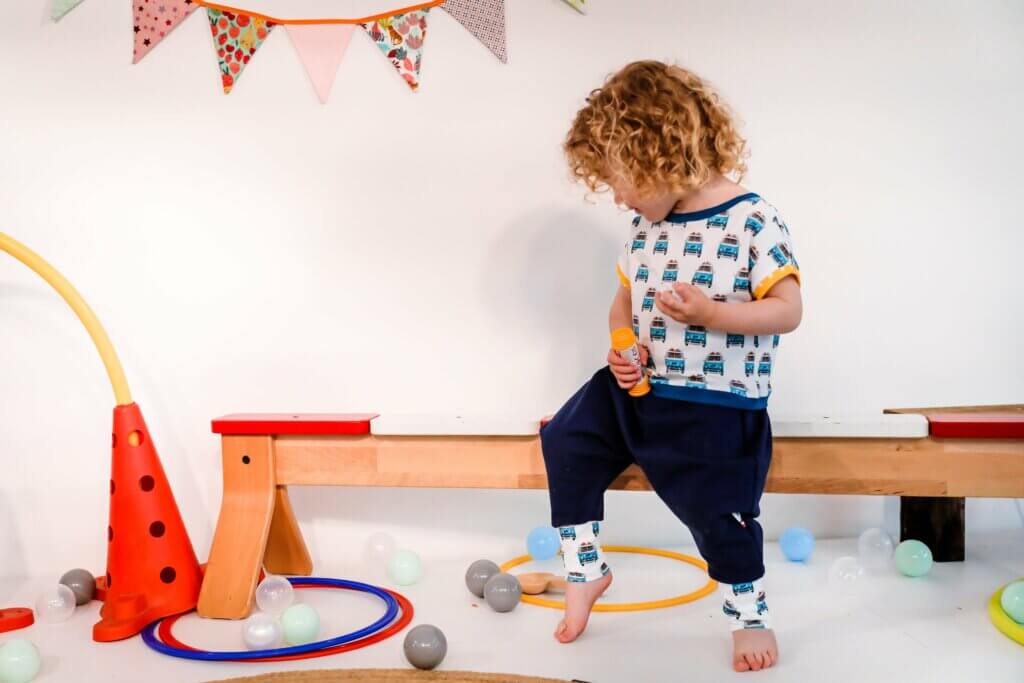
[894,629]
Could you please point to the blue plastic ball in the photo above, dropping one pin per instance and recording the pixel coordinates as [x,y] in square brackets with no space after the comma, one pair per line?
[797,543]
[1012,601]
[543,543]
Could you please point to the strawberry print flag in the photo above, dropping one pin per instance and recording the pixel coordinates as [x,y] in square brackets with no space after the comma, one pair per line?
[236,37]
[400,37]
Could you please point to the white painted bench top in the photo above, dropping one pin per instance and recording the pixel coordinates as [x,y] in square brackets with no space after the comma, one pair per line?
[783,426]
[426,424]
[850,426]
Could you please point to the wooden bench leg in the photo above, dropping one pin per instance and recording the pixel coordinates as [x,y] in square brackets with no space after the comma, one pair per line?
[936,522]
[286,550]
[240,541]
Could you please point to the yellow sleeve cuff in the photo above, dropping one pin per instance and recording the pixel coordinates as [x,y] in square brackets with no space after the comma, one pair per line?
[775,278]
[622,276]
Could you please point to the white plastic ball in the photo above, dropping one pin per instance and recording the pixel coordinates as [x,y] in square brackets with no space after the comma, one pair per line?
[261,631]
[845,574]
[875,548]
[380,548]
[55,604]
[275,594]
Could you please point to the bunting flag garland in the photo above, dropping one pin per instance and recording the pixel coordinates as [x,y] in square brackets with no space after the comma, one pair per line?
[485,19]
[400,38]
[320,43]
[61,7]
[236,37]
[154,19]
[321,47]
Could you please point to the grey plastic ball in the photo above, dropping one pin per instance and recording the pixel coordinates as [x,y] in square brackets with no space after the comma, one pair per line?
[502,592]
[477,575]
[81,583]
[425,646]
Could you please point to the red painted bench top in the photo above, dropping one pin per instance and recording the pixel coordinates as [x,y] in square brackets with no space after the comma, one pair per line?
[984,425]
[344,424]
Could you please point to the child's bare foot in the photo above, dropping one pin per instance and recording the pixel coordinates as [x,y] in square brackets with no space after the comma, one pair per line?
[754,649]
[579,600]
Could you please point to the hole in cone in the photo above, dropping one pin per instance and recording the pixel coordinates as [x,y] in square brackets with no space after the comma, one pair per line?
[167,574]
[135,438]
[146,483]
[156,529]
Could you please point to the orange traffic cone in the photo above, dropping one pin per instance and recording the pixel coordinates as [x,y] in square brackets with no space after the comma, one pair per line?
[152,571]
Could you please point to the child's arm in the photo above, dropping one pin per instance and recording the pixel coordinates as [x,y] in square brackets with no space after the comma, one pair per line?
[777,312]
[621,313]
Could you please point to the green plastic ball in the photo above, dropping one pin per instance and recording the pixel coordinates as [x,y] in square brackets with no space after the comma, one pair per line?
[1012,601]
[19,661]
[913,558]
[301,624]
[405,568]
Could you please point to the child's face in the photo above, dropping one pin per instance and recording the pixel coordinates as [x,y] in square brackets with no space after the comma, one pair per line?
[653,206]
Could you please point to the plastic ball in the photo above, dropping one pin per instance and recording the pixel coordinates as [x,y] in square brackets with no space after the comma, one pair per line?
[1012,601]
[301,624]
[261,631]
[380,548]
[913,558]
[405,568]
[477,575]
[19,661]
[425,646]
[845,574]
[502,592]
[875,548]
[543,543]
[274,594]
[82,584]
[797,544]
[55,604]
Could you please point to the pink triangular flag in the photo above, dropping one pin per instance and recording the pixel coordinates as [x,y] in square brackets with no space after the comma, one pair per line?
[154,19]
[485,19]
[321,47]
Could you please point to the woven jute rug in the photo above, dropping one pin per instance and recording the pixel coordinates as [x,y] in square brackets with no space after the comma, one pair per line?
[388,676]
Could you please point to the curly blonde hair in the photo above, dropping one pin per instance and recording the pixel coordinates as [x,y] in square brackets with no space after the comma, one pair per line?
[656,126]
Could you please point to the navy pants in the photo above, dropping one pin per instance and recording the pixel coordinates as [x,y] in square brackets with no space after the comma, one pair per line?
[706,462]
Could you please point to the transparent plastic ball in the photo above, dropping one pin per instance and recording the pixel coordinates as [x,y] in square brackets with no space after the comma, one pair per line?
[55,604]
[275,594]
[875,548]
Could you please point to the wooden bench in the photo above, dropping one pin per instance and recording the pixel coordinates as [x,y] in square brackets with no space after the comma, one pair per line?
[932,460]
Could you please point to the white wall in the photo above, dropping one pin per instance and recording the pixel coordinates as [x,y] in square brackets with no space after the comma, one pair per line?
[396,252]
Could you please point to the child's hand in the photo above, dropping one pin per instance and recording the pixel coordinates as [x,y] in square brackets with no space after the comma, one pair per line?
[626,374]
[688,304]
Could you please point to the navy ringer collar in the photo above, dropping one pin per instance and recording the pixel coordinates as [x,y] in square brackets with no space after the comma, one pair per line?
[713,211]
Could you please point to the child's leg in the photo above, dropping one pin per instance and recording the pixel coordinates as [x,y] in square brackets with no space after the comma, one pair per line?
[584,452]
[709,464]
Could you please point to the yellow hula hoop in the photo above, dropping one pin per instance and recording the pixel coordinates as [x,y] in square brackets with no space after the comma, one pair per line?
[706,589]
[92,324]
[1000,619]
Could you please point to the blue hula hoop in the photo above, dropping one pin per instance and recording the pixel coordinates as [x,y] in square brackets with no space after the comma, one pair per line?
[149,633]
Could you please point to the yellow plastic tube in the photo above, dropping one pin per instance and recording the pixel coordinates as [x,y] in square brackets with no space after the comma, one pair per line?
[92,324]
